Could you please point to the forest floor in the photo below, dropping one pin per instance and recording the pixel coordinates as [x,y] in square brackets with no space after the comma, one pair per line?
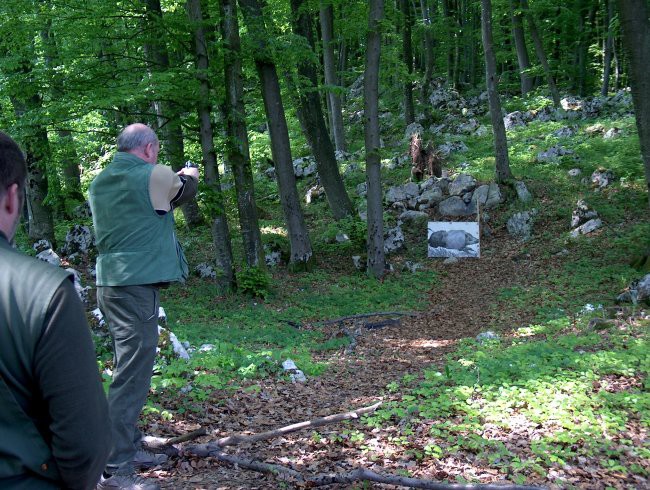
[461,306]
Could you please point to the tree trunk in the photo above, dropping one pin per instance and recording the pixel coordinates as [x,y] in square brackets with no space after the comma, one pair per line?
[609,47]
[375,244]
[429,60]
[520,47]
[449,27]
[311,112]
[237,149]
[220,231]
[168,114]
[541,54]
[498,128]
[635,25]
[40,224]
[407,53]
[69,158]
[329,65]
[300,244]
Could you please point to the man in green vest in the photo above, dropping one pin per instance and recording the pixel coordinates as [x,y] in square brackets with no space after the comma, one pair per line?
[132,202]
[54,427]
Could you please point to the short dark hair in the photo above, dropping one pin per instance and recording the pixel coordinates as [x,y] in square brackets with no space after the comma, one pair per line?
[13,169]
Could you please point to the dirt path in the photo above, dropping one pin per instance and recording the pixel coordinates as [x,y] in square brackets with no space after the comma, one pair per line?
[461,305]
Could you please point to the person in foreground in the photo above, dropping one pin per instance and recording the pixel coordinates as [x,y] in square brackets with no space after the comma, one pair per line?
[54,429]
[132,201]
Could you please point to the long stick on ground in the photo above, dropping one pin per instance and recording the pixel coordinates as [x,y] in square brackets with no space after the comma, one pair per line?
[360,474]
[210,447]
[365,315]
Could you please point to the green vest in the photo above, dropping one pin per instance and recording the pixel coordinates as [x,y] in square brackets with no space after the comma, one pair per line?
[136,245]
[26,289]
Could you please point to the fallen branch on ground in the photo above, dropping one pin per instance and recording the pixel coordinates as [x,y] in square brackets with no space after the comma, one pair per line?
[213,447]
[360,474]
[364,315]
[166,446]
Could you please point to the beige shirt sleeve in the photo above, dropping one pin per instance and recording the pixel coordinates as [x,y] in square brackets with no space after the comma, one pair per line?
[164,184]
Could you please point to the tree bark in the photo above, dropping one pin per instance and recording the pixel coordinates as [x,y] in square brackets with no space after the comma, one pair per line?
[429,59]
[375,240]
[40,224]
[520,47]
[311,113]
[168,114]
[407,53]
[541,54]
[300,244]
[68,153]
[329,65]
[220,230]
[635,24]
[609,47]
[237,148]
[502,169]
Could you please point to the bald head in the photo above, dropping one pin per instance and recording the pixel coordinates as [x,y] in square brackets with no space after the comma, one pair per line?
[140,140]
[135,136]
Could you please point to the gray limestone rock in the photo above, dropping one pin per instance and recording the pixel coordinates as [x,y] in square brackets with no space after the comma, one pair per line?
[412,129]
[574,172]
[394,240]
[602,178]
[513,120]
[431,196]
[462,184]
[455,206]
[412,266]
[79,239]
[50,256]
[523,193]
[638,291]
[450,147]
[408,216]
[520,225]
[553,154]
[590,226]
[613,133]
[582,213]
[205,271]
[362,189]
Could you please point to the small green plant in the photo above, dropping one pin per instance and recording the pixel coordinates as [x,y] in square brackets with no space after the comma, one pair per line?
[254,281]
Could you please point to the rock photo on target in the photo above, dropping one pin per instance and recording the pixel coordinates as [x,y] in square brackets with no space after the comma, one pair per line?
[453,239]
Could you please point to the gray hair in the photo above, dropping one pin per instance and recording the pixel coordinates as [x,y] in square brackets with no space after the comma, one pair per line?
[135,136]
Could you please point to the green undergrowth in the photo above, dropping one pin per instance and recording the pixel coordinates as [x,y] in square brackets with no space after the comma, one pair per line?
[557,394]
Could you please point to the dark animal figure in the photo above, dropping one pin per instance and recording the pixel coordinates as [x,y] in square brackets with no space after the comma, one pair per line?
[425,160]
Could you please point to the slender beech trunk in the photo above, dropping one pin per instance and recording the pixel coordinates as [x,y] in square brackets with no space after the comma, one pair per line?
[237,149]
[541,54]
[311,113]
[451,39]
[168,113]
[502,169]
[220,231]
[300,244]
[429,60]
[609,47]
[40,224]
[329,65]
[68,153]
[520,47]
[376,258]
[635,24]
[407,53]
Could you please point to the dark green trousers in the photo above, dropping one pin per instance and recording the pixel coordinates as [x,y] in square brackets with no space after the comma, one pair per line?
[132,316]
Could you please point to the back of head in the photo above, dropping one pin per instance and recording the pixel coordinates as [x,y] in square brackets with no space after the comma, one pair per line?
[13,169]
[135,136]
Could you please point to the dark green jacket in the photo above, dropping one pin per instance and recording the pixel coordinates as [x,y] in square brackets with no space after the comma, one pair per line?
[51,399]
[136,245]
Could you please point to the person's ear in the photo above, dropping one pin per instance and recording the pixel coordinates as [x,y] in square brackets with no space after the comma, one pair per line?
[12,202]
